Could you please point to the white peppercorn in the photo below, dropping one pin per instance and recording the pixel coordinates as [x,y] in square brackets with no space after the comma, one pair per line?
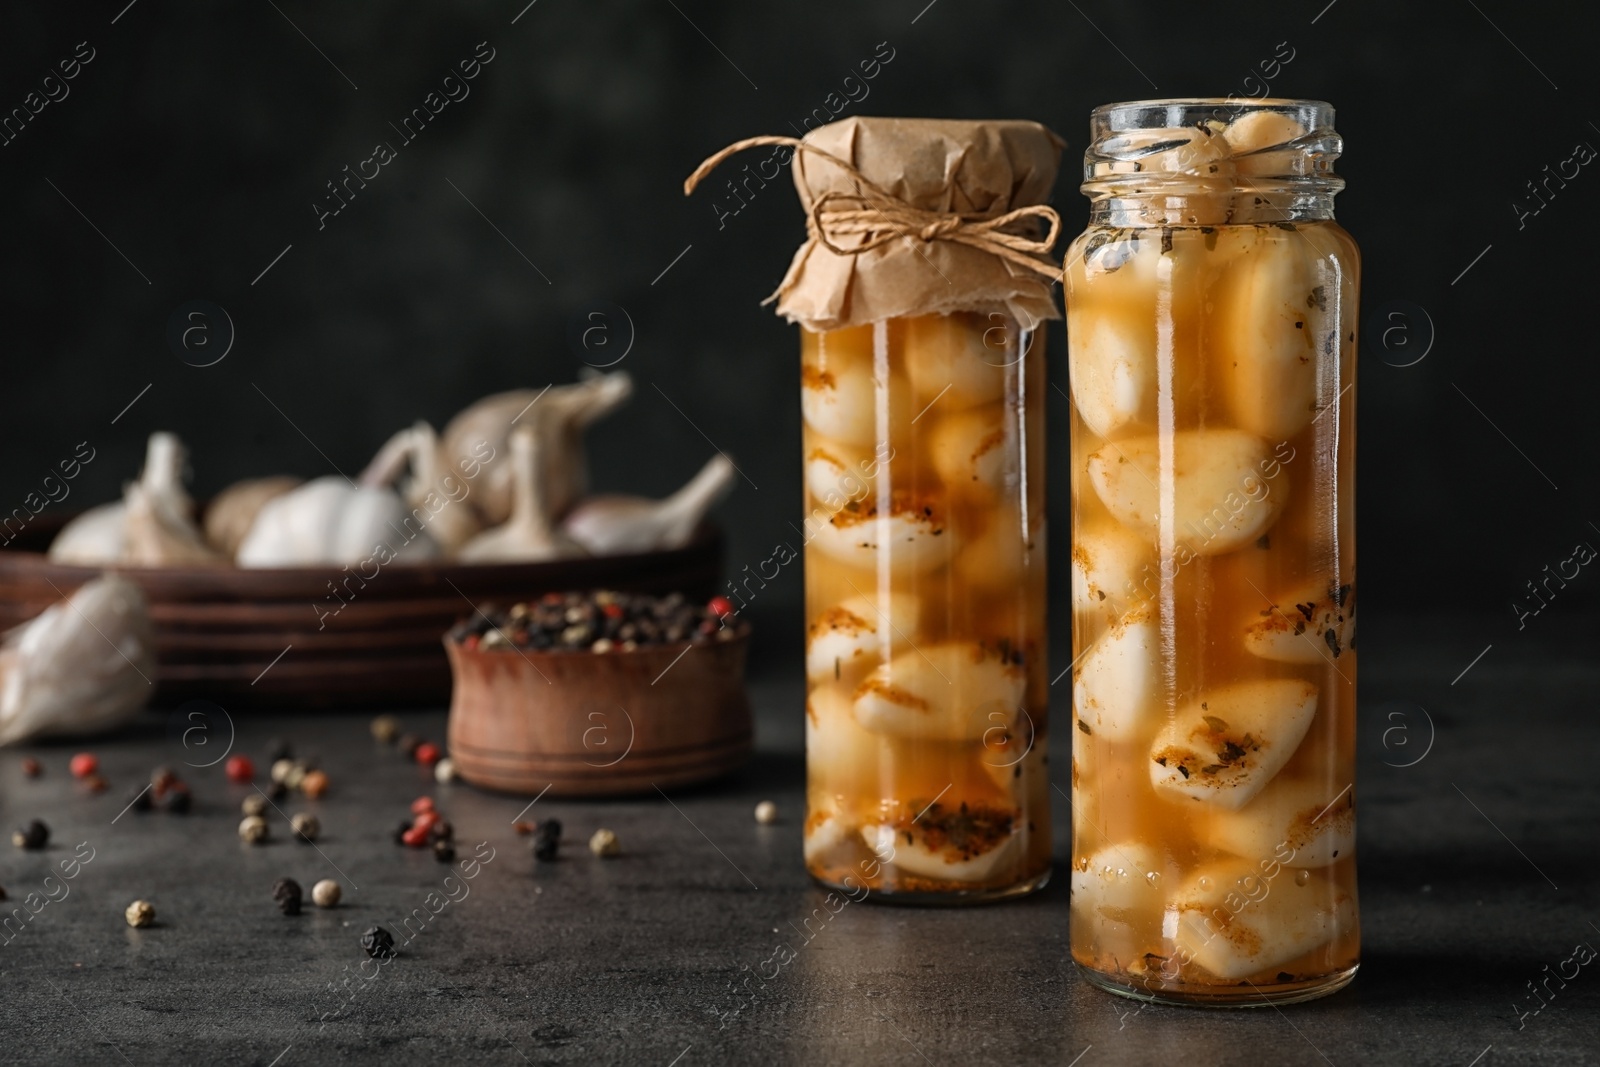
[253,829]
[140,913]
[445,770]
[766,812]
[326,893]
[605,843]
[305,826]
[254,804]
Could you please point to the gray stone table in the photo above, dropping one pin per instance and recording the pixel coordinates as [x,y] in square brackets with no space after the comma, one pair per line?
[1478,869]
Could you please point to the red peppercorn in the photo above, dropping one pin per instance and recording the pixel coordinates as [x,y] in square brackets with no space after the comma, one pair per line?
[31,767]
[612,610]
[720,606]
[240,769]
[428,753]
[414,838]
[523,828]
[421,804]
[95,783]
[425,820]
[84,764]
[471,641]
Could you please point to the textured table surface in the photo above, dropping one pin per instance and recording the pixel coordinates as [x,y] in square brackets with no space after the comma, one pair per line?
[1478,872]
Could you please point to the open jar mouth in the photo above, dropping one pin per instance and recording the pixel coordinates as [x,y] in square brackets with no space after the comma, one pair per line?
[1212,144]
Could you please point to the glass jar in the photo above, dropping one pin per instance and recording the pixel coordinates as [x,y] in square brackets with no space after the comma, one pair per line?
[1211,320]
[925,589]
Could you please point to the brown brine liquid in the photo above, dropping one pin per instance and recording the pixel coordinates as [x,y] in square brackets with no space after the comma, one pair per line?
[926,717]
[1214,602]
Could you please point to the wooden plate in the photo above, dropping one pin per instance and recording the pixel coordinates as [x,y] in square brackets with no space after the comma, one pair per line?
[253,636]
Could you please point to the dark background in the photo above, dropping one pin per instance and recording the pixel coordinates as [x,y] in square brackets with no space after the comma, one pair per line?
[199,137]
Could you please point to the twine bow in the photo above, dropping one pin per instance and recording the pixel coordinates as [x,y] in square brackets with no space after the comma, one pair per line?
[879,217]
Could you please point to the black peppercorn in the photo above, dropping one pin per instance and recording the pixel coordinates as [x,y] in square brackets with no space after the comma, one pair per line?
[401,831]
[286,891]
[179,799]
[378,942]
[408,744]
[277,791]
[278,749]
[442,831]
[35,835]
[546,839]
[139,799]
[444,851]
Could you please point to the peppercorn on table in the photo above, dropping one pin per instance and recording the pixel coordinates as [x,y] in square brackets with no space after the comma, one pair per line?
[695,935]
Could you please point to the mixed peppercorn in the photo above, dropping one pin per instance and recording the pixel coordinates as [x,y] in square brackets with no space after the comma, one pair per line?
[602,621]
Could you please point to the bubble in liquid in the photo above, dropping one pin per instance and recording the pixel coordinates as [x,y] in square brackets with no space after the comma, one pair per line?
[1302,877]
[1205,885]
[1154,877]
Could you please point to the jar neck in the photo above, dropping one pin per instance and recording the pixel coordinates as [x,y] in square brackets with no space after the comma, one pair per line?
[1211,163]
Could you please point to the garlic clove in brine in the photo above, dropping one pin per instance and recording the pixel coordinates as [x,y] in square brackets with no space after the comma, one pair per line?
[613,525]
[233,511]
[529,535]
[85,664]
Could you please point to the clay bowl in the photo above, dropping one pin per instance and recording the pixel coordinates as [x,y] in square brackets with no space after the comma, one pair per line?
[598,723]
[246,636]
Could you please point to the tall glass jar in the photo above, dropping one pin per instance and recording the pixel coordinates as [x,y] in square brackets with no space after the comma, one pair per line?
[925,589]
[1211,319]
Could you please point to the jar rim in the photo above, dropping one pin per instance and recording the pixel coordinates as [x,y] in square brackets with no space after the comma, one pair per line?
[1274,102]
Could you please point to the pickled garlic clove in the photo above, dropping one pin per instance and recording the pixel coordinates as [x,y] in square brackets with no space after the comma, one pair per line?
[1252,136]
[1298,823]
[955,844]
[843,403]
[972,454]
[1196,152]
[1111,365]
[1107,561]
[1013,756]
[940,692]
[841,757]
[837,473]
[959,360]
[1223,748]
[1220,501]
[1237,918]
[1315,627]
[998,558]
[850,638]
[826,829]
[1113,884]
[912,538]
[1117,691]
[1271,330]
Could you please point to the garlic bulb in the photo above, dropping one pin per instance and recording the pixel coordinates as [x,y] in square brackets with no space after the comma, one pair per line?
[612,525]
[92,538]
[156,534]
[529,535]
[328,520]
[482,431]
[86,664]
[97,536]
[436,490]
[232,512]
